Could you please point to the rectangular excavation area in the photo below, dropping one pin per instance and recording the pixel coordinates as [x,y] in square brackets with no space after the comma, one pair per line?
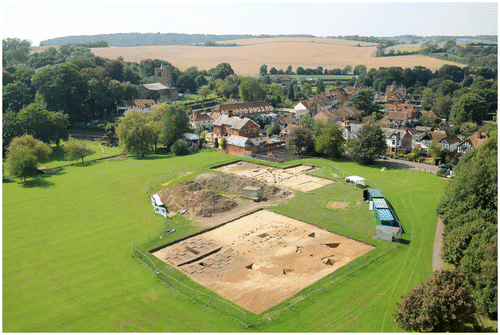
[294,177]
[261,259]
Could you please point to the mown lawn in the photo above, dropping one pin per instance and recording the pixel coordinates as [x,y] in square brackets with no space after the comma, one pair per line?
[68,264]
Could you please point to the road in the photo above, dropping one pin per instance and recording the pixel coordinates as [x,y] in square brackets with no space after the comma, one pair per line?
[401,164]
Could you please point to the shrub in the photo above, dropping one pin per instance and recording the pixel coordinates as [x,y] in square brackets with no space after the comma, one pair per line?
[179,148]
[442,173]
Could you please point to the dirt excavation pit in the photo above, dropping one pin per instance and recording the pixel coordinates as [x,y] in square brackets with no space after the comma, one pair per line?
[294,177]
[261,259]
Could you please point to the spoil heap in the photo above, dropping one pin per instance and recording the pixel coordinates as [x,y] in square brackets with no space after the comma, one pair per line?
[195,198]
[234,184]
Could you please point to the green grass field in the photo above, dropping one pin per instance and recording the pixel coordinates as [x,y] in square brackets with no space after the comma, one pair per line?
[68,262]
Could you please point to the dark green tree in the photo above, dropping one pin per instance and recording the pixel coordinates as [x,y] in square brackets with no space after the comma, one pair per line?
[263,70]
[175,122]
[179,148]
[223,143]
[442,304]
[221,71]
[301,140]
[370,144]
[330,143]
[470,107]
[251,89]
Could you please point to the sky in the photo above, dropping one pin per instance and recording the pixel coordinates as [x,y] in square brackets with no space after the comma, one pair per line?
[37,21]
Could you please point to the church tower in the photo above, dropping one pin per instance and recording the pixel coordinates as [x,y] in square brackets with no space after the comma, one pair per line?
[164,76]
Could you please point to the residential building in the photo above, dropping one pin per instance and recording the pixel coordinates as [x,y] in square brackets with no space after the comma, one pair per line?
[228,125]
[140,105]
[201,120]
[246,109]
[472,142]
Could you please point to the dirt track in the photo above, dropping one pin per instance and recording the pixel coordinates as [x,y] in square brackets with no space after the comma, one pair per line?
[261,259]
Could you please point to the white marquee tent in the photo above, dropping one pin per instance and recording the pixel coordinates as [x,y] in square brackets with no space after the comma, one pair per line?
[355,180]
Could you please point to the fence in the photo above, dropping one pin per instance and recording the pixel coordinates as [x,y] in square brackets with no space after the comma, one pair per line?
[155,240]
[246,318]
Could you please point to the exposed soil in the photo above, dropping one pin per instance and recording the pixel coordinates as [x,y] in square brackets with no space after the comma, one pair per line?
[337,205]
[195,198]
[261,259]
[234,184]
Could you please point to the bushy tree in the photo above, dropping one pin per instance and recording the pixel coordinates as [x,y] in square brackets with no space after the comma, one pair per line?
[23,155]
[251,89]
[216,143]
[137,133]
[442,304]
[74,150]
[368,146]
[179,148]
[301,140]
[330,142]
[434,149]
[470,107]
[174,120]
[221,71]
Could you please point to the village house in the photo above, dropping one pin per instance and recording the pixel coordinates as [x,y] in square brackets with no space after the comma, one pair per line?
[201,120]
[228,125]
[290,129]
[249,147]
[398,141]
[472,142]
[394,93]
[351,131]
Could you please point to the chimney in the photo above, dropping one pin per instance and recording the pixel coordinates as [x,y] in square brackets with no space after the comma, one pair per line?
[229,113]
[242,117]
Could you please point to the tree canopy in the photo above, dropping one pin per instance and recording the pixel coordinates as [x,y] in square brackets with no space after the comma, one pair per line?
[442,304]
[137,133]
[469,211]
[330,142]
[75,150]
[368,146]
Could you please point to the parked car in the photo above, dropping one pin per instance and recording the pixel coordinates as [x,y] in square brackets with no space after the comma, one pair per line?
[446,167]
[382,157]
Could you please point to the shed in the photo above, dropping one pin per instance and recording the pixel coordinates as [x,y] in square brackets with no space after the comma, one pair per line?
[355,180]
[251,192]
[387,233]
[384,217]
[371,194]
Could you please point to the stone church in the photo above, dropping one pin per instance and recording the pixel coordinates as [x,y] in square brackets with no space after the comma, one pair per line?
[163,87]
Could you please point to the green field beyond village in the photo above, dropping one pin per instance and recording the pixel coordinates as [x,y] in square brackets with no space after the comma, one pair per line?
[69,265]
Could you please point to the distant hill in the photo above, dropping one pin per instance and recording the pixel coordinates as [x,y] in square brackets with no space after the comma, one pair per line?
[149,39]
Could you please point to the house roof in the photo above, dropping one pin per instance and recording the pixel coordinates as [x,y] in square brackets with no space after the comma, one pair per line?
[233,121]
[476,139]
[155,87]
[397,116]
[429,114]
[199,117]
[239,141]
[438,135]
[235,106]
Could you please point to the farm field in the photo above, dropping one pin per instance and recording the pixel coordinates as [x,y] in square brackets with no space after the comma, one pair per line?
[247,58]
[68,263]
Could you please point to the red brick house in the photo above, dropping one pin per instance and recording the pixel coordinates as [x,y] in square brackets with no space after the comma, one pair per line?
[228,125]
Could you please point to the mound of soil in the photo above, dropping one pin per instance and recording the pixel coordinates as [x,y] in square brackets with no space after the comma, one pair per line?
[234,184]
[195,198]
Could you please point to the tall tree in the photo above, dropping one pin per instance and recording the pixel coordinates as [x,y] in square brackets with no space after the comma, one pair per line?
[175,122]
[301,140]
[469,209]
[330,142]
[251,89]
[370,144]
[221,71]
[470,107]
[137,133]
[263,70]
